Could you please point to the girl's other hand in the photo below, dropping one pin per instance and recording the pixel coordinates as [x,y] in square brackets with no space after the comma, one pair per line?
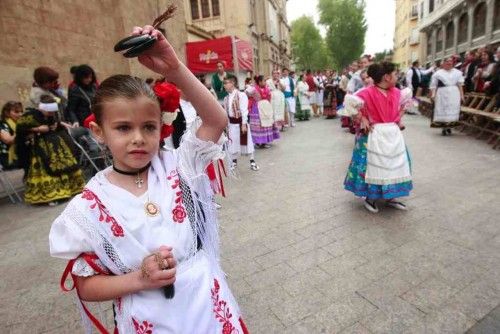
[158,269]
[161,57]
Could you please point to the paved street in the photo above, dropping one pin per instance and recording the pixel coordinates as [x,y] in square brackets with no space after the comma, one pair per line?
[303,255]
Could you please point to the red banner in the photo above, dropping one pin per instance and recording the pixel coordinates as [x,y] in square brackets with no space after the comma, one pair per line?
[202,57]
[245,54]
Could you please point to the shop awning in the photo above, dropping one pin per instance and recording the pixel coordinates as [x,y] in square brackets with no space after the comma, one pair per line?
[202,57]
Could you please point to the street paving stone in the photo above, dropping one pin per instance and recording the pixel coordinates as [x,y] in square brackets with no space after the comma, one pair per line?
[303,256]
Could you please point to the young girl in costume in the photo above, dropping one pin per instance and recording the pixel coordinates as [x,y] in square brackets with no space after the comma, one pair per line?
[240,137]
[261,117]
[380,165]
[143,233]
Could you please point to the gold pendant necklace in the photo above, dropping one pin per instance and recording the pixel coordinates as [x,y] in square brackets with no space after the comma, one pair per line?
[151,208]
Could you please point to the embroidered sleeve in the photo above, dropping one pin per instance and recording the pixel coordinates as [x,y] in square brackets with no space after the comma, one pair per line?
[194,154]
[352,105]
[84,268]
[244,107]
[66,238]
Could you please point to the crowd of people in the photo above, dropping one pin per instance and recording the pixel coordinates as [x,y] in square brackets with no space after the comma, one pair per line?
[447,82]
[148,222]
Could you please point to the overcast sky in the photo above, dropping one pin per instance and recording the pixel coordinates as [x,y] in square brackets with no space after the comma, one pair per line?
[379,17]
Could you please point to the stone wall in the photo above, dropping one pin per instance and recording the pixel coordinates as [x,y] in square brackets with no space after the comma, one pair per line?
[62,33]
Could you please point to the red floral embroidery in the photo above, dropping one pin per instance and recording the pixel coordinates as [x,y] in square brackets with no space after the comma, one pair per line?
[143,328]
[221,310]
[104,215]
[179,212]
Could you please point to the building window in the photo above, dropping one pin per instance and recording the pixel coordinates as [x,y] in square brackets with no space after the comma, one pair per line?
[414,10]
[463,25]
[204,9]
[195,10]
[479,25]
[496,24]
[439,40]
[450,32]
[429,44]
[215,8]
[431,6]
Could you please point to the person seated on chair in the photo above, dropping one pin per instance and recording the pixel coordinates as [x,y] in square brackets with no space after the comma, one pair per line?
[11,112]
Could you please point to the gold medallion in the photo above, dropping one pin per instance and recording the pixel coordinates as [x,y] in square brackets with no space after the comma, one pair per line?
[151,209]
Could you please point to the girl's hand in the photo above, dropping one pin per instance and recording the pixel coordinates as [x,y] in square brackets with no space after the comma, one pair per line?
[365,125]
[244,128]
[161,57]
[158,269]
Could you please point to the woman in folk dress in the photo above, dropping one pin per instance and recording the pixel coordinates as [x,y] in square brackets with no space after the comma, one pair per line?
[262,135]
[447,93]
[143,233]
[380,165]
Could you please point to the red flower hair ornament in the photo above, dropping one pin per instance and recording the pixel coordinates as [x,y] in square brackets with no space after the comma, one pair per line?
[169,98]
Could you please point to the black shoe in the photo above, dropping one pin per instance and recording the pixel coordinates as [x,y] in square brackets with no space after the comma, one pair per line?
[448,131]
[371,206]
[443,132]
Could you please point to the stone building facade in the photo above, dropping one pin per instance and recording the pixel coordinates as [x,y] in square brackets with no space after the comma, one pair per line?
[455,26]
[406,34]
[60,34]
[261,22]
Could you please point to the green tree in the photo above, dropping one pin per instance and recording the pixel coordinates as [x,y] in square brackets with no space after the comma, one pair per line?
[308,47]
[346,28]
[384,55]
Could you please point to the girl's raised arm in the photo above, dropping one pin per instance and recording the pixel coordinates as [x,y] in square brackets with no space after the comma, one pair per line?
[161,58]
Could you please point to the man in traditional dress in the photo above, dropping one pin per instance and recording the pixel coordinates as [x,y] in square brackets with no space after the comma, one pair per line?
[319,79]
[240,138]
[218,82]
[289,88]
[414,76]
[313,88]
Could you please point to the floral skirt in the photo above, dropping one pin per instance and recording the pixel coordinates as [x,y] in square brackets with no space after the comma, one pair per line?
[43,186]
[355,178]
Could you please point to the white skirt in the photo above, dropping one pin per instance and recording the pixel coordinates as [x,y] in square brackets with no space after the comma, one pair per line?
[447,104]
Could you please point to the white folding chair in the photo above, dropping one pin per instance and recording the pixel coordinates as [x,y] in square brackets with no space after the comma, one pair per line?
[8,187]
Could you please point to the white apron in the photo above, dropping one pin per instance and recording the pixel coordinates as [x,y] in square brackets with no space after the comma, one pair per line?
[265,113]
[387,159]
[234,144]
[447,104]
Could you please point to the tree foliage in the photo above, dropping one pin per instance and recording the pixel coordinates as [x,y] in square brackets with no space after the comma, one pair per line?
[308,47]
[346,28]
[384,55]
